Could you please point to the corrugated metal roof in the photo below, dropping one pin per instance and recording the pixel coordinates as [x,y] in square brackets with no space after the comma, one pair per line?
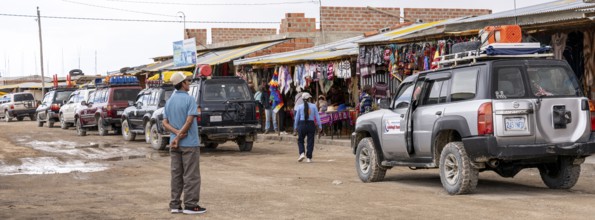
[159,66]
[223,56]
[398,33]
[332,50]
[555,6]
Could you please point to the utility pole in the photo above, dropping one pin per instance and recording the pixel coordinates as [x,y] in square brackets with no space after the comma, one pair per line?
[320,18]
[41,52]
[184,20]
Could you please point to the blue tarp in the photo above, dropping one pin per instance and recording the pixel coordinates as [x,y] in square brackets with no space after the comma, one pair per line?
[515,51]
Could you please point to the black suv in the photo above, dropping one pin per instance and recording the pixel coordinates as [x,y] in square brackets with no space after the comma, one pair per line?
[49,109]
[228,113]
[136,118]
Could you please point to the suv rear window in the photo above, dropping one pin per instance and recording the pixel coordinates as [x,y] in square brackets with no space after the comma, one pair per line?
[125,94]
[552,81]
[219,91]
[23,97]
[62,95]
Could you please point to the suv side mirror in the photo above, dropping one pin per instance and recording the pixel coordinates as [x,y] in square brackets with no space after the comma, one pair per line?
[139,104]
[64,102]
[130,103]
[83,102]
[161,104]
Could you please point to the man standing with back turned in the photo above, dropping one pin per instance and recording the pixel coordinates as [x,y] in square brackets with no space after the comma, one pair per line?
[179,118]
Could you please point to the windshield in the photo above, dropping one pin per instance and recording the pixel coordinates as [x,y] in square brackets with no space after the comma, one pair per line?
[125,94]
[23,97]
[228,91]
[62,95]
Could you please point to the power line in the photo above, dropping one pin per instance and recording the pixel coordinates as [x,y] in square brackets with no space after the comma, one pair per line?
[212,4]
[118,9]
[142,20]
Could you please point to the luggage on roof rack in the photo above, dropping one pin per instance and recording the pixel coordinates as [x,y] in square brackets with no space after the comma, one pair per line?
[495,51]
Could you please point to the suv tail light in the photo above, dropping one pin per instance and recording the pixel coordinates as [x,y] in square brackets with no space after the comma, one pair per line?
[257,113]
[110,111]
[485,123]
[11,106]
[55,107]
[592,110]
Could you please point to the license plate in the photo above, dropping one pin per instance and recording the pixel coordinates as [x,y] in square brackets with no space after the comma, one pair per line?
[515,124]
[215,118]
[120,112]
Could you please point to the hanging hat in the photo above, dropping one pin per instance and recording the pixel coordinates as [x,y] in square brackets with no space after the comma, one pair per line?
[306,95]
[177,77]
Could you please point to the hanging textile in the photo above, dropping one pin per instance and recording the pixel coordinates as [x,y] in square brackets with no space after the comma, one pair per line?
[589,60]
[558,44]
[275,94]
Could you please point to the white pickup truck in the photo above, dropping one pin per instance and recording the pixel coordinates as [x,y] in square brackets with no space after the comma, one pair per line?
[17,105]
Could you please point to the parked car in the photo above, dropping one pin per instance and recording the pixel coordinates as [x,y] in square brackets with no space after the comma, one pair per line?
[68,110]
[136,118]
[498,115]
[228,112]
[17,105]
[105,106]
[49,109]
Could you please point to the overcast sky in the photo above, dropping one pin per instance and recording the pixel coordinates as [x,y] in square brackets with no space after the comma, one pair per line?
[73,43]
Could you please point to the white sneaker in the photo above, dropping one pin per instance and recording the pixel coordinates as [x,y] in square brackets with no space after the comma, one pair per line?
[308,160]
[302,157]
[176,211]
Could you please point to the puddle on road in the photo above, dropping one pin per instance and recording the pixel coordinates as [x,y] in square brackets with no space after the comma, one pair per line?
[92,151]
[49,165]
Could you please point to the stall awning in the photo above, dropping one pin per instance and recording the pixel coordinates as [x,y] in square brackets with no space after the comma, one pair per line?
[223,56]
[159,66]
[31,85]
[404,31]
[330,51]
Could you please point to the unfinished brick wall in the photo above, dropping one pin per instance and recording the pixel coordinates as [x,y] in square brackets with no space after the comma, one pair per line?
[357,19]
[436,14]
[289,45]
[199,34]
[297,23]
[219,35]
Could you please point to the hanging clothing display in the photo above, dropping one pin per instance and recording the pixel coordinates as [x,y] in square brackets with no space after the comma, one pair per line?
[558,44]
[589,60]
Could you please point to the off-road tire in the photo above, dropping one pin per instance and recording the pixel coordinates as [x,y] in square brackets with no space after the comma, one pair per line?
[211,145]
[244,145]
[457,174]
[80,131]
[19,118]
[147,128]
[126,133]
[158,142]
[101,128]
[560,175]
[32,117]
[63,123]
[366,162]
[39,121]
[48,120]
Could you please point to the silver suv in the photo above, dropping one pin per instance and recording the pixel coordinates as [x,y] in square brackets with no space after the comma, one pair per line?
[17,105]
[499,115]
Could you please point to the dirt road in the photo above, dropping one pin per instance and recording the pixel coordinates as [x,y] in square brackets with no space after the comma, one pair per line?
[128,180]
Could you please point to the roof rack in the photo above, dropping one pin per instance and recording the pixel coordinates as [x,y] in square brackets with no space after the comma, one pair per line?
[495,51]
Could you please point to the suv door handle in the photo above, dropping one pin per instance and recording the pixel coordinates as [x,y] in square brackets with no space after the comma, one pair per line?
[439,113]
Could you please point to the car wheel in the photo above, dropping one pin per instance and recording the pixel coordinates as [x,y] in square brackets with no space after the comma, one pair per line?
[32,117]
[80,131]
[39,121]
[148,132]
[457,174]
[211,145]
[49,121]
[7,117]
[244,145]
[63,124]
[366,162]
[560,175]
[100,127]
[19,118]
[158,142]
[126,133]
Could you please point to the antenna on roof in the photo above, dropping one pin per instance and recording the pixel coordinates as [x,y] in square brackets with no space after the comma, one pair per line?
[516,18]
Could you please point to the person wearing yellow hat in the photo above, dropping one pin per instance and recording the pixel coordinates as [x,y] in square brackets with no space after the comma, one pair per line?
[304,124]
[179,117]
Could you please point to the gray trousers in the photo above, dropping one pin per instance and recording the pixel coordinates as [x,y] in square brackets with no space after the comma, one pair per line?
[185,176]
